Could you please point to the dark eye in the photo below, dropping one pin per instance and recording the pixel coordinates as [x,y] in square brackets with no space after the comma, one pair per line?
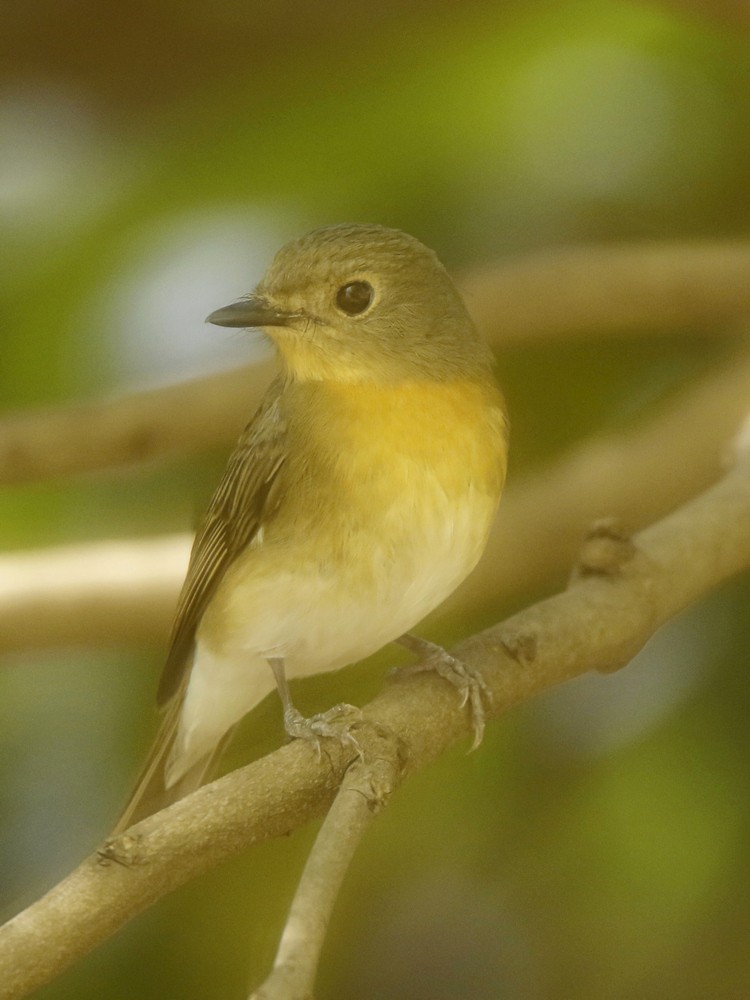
[355,297]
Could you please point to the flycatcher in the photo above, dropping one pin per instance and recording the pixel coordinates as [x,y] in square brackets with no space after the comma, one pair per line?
[358,497]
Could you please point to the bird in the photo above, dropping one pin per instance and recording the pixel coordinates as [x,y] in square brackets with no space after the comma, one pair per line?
[356,500]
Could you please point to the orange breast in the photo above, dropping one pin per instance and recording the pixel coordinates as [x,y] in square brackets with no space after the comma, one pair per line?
[456,429]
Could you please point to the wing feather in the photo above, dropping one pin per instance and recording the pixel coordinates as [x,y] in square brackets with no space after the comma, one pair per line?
[243,503]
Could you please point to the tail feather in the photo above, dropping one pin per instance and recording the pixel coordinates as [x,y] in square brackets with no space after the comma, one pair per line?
[151,793]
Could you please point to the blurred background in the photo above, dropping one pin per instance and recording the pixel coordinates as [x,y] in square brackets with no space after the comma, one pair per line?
[153,156]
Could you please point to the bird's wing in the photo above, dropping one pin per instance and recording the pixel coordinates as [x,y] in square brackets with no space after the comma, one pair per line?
[244,501]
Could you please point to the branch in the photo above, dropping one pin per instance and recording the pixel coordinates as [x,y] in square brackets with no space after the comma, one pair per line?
[106,592]
[366,788]
[600,290]
[126,591]
[573,291]
[622,593]
[132,428]
[544,515]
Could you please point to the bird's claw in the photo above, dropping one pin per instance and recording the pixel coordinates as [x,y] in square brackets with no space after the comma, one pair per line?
[471,686]
[337,723]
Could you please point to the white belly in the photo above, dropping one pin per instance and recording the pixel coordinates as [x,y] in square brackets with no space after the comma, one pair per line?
[318,621]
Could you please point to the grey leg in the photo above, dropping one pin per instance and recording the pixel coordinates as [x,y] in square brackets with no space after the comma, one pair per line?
[337,722]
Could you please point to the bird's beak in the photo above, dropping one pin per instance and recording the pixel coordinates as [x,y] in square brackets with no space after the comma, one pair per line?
[252,311]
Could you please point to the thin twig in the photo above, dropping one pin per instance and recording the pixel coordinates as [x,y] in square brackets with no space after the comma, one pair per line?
[366,788]
[600,622]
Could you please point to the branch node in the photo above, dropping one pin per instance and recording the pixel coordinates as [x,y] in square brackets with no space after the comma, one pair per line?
[374,776]
[606,550]
[520,646]
[122,850]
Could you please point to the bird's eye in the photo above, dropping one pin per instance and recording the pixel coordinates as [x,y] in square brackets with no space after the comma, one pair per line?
[355,297]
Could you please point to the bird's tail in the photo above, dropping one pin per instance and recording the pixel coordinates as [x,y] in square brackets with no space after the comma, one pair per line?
[151,792]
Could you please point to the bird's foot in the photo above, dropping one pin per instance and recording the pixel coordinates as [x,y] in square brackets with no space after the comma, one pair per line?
[337,723]
[471,686]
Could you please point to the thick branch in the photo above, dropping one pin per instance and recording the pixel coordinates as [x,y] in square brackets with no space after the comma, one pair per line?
[622,594]
[126,591]
[568,292]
